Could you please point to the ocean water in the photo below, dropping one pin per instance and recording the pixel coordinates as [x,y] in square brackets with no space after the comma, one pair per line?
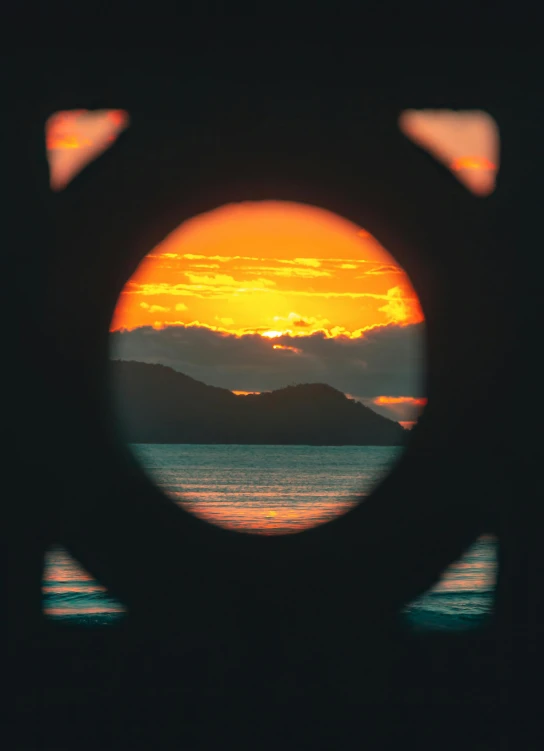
[289,488]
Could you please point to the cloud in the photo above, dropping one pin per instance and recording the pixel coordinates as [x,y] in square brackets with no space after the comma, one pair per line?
[181,306]
[299,321]
[329,295]
[160,288]
[220,286]
[383,269]
[410,400]
[154,308]
[304,273]
[387,360]
[396,308]
[223,282]
[345,260]
[403,409]
[201,277]
[223,259]
[308,262]
[286,348]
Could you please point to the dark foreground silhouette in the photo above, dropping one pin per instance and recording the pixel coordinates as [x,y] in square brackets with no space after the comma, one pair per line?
[156,404]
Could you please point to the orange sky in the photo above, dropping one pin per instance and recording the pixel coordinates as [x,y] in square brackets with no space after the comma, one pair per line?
[274,268]
[271,268]
[467,142]
[76,137]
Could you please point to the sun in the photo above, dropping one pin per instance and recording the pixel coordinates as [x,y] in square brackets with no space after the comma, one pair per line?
[272,334]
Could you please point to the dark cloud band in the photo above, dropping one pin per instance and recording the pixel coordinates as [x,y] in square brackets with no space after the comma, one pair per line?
[387,360]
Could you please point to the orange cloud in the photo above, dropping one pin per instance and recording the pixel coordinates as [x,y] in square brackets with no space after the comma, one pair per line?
[289,349]
[305,273]
[275,257]
[383,362]
[398,308]
[384,269]
[155,308]
[419,402]
[313,262]
[300,321]
[404,409]
[221,282]
[301,328]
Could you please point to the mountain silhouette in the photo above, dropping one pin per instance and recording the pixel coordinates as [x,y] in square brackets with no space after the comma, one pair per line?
[156,404]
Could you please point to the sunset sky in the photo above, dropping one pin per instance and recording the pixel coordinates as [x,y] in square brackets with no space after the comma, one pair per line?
[257,295]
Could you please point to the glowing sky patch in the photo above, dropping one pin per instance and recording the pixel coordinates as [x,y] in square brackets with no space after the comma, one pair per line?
[465,141]
[286,347]
[472,163]
[272,258]
[405,409]
[76,137]
[400,400]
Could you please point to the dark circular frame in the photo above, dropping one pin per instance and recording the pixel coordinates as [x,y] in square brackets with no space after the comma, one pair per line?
[355,162]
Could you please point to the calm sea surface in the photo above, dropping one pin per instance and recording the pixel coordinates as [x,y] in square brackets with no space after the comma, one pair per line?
[275,490]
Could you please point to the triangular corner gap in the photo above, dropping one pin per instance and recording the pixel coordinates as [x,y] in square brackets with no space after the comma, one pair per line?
[466,141]
[472,578]
[75,137]
[69,591]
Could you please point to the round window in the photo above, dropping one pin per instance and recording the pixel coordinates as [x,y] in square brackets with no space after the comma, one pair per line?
[268,365]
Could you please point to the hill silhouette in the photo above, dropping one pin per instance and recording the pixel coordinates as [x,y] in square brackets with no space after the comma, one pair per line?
[157,404]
